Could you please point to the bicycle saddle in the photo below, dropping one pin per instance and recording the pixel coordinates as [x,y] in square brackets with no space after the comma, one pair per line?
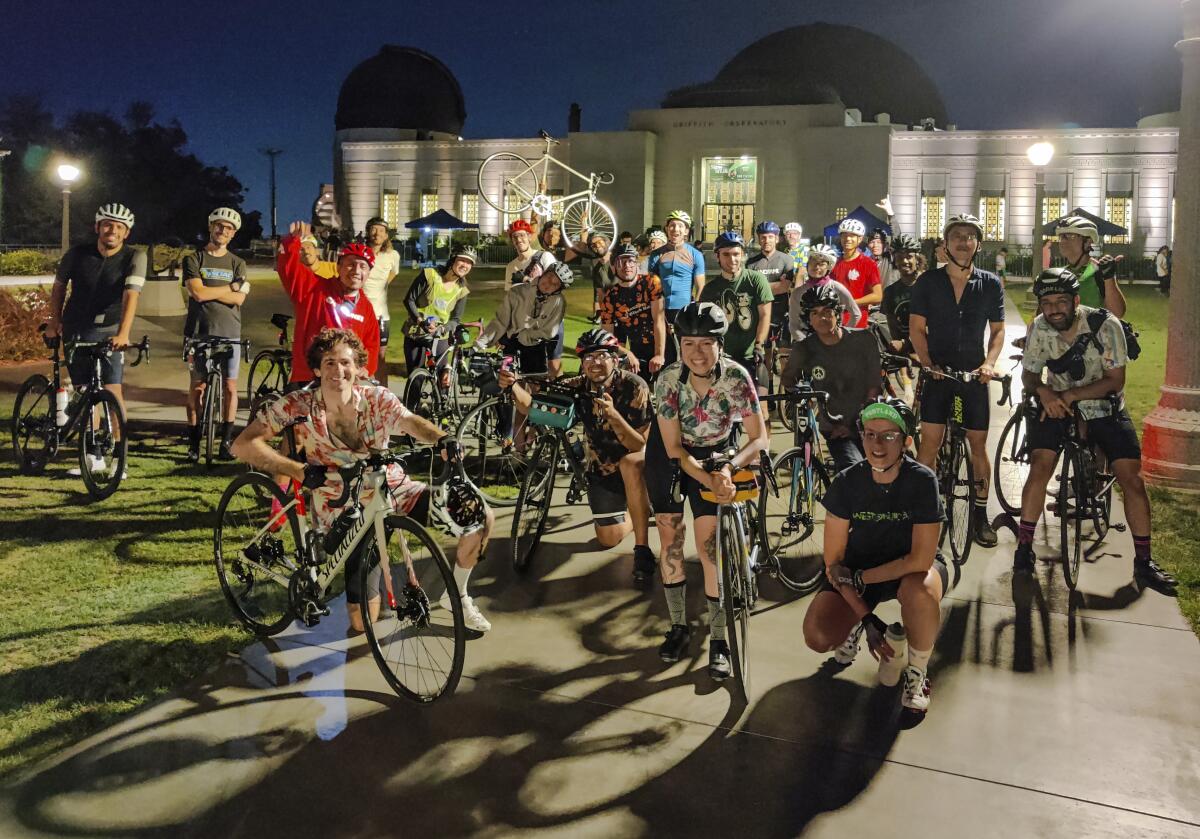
[545,136]
[280,321]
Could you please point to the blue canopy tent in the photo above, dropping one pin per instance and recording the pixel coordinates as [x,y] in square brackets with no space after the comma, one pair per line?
[862,214]
[437,220]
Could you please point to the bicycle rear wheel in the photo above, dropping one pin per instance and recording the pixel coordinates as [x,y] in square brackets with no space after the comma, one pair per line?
[1070,517]
[419,642]
[102,435]
[533,504]
[209,420]
[735,596]
[586,217]
[35,439]
[958,482]
[1101,504]
[506,174]
[491,460]
[792,524]
[1011,464]
[256,550]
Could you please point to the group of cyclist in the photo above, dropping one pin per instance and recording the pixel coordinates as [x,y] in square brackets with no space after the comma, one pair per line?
[672,375]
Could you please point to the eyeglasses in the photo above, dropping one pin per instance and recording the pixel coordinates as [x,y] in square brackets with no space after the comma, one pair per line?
[597,357]
[964,237]
[884,436]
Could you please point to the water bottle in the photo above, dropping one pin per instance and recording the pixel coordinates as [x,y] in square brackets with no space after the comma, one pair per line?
[337,533]
[61,399]
[890,669]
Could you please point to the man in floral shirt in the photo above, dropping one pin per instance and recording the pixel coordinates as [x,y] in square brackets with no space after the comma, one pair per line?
[338,421]
[633,309]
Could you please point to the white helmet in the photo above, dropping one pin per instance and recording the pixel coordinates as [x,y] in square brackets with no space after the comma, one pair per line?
[1078,225]
[115,212]
[823,251]
[656,235]
[963,219]
[852,225]
[793,227]
[227,215]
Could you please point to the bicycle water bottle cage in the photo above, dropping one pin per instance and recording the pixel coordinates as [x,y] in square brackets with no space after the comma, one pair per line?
[553,411]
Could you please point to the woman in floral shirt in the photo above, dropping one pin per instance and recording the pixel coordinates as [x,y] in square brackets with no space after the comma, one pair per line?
[699,399]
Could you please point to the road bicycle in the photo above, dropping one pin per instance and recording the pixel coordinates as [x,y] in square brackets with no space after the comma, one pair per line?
[1010,463]
[494,438]
[41,424]
[512,185]
[955,471]
[275,565]
[208,357]
[271,368]
[435,390]
[791,521]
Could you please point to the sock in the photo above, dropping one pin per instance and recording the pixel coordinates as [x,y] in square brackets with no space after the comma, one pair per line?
[226,432]
[918,658]
[716,619]
[1141,548]
[461,575]
[677,601]
[1025,532]
[981,498]
[194,436]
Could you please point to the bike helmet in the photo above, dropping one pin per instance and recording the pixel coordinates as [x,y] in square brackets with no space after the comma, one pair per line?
[374,220]
[457,507]
[465,252]
[701,320]
[965,218]
[767,227]
[115,212]
[1056,281]
[519,225]
[656,235]
[357,250]
[565,275]
[852,225]
[793,227]
[878,233]
[904,242]
[823,252]
[625,250]
[552,224]
[594,340]
[892,409]
[226,214]
[729,239]
[679,215]
[1078,225]
[820,297]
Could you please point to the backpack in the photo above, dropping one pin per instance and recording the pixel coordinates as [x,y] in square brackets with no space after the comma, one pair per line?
[1133,347]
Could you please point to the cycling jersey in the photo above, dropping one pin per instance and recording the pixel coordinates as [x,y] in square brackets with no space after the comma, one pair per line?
[98,285]
[706,420]
[321,303]
[956,328]
[860,275]
[387,265]
[678,267]
[799,255]
[778,266]
[214,317]
[628,307]
[1045,343]
[740,298]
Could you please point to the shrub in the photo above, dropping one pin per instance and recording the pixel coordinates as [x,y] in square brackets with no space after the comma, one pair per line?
[26,263]
[21,312]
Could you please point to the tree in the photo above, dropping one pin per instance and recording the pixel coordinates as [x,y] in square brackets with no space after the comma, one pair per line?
[136,160]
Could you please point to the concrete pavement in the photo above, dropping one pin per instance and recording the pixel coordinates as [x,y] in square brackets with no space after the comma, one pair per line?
[1052,716]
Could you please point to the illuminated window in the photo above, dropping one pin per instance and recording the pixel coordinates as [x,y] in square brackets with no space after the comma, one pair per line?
[1119,210]
[429,202]
[1054,207]
[991,213]
[391,209]
[933,216]
[469,207]
[840,213]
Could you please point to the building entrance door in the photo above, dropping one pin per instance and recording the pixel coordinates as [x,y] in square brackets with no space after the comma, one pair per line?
[721,217]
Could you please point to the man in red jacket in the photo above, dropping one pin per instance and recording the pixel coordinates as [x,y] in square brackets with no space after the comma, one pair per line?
[337,303]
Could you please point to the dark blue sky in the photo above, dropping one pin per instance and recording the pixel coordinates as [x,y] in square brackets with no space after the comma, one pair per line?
[242,76]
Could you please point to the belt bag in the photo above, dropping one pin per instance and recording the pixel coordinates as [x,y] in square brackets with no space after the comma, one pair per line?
[553,411]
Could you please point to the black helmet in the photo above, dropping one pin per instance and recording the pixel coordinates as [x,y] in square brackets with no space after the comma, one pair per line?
[878,233]
[457,507]
[624,250]
[701,320]
[905,242]
[902,408]
[1056,281]
[820,297]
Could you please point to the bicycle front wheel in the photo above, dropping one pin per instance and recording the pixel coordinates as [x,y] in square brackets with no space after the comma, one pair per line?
[419,396]
[266,378]
[1011,467]
[507,177]
[103,444]
[1071,501]
[959,492]
[736,595]
[35,440]
[792,524]
[209,419]
[586,217]
[533,504]
[419,640]
[492,436]
[256,550]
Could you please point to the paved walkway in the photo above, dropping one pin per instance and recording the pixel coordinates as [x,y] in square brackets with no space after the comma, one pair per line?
[1052,716]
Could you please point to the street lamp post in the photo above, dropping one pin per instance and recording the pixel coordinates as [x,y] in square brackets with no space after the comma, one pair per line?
[1039,155]
[68,174]
[272,154]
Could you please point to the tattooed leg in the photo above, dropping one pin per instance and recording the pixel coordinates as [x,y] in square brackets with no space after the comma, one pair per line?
[706,545]
[671,532]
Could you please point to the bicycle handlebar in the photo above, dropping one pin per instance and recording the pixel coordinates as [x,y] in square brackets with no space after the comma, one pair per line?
[716,462]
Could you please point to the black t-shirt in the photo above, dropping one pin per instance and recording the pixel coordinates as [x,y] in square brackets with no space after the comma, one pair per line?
[97,284]
[896,299]
[882,516]
[848,371]
[778,266]
[957,330]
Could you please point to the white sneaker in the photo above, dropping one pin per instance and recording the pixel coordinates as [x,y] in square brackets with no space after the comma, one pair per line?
[472,617]
[916,690]
[95,466]
[845,654]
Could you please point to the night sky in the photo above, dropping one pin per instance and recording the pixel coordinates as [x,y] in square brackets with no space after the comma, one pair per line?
[243,76]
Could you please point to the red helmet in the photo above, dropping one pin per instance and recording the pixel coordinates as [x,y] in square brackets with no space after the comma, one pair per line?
[520,224]
[358,251]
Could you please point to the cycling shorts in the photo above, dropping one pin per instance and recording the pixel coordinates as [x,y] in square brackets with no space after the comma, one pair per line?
[1114,435]
[876,593]
[661,471]
[229,367]
[112,367]
[606,497]
[937,397]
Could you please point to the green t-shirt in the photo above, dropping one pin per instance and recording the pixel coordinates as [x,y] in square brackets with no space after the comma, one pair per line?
[1089,287]
[740,298]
